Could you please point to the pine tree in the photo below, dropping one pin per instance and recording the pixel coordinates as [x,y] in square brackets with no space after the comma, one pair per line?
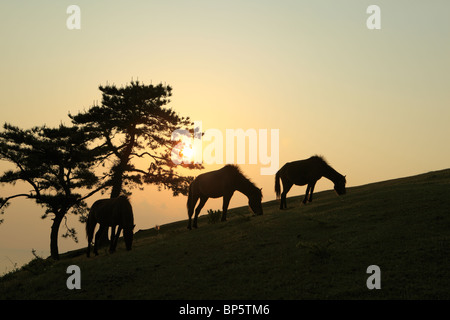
[133,123]
[58,164]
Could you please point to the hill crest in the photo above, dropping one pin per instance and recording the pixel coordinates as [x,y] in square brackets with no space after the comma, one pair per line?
[318,251]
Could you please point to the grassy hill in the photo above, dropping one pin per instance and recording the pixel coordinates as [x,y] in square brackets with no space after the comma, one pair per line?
[317,251]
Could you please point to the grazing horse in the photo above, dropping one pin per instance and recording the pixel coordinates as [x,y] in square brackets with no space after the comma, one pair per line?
[222,183]
[303,172]
[110,213]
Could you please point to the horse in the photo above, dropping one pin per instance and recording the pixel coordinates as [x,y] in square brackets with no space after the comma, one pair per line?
[306,171]
[110,213]
[222,183]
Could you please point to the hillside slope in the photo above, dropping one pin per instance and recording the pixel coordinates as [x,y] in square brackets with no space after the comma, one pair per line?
[317,251]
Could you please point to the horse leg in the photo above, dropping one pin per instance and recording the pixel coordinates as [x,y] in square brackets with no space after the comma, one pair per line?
[311,191]
[191,206]
[286,187]
[113,239]
[88,254]
[90,232]
[101,231]
[306,194]
[198,209]
[226,202]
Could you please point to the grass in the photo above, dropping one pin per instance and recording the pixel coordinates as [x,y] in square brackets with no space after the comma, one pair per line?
[317,251]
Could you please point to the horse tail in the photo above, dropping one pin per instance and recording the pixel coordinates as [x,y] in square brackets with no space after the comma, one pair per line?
[190,195]
[90,222]
[277,184]
[87,227]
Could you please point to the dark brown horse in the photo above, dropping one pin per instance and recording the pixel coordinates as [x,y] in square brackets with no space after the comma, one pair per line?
[222,183]
[303,172]
[110,213]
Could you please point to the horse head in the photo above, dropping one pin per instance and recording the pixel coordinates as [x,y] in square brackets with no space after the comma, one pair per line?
[254,201]
[339,185]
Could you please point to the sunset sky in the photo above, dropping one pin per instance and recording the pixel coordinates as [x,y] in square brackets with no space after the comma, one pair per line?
[374,103]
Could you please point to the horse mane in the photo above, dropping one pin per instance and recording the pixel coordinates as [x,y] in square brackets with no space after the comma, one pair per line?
[325,163]
[320,158]
[234,168]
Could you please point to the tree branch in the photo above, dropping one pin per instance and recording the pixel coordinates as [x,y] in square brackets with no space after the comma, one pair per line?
[114,149]
[141,155]
[93,192]
[5,200]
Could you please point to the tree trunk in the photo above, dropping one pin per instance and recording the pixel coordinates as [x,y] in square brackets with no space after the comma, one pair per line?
[123,162]
[117,182]
[118,173]
[54,236]
[115,192]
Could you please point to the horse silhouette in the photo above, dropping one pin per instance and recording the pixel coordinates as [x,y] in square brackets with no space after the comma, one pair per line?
[221,183]
[303,172]
[110,213]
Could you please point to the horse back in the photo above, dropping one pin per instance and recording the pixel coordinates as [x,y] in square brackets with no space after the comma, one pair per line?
[303,172]
[112,212]
[213,184]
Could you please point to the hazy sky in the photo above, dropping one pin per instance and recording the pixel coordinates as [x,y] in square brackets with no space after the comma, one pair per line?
[375,103]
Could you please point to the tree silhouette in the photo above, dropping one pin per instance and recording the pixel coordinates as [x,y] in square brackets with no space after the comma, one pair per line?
[135,127]
[131,127]
[57,164]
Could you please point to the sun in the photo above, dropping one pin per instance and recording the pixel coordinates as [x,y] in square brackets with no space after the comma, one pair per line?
[187,153]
